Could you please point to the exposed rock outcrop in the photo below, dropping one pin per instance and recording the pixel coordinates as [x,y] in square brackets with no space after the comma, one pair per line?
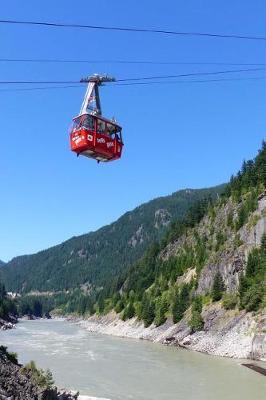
[259,340]
[8,323]
[230,258]
[15,385]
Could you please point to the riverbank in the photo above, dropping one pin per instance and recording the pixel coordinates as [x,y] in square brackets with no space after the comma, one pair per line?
[107,367]
[21,384]
[234,334]
[10,324]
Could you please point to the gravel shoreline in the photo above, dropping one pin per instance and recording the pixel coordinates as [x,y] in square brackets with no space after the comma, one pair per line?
[226,333]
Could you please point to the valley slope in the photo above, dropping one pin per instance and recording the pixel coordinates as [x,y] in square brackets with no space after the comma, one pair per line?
[98,257]
[204,285]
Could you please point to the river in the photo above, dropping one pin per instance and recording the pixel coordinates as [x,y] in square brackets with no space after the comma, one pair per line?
[124,369]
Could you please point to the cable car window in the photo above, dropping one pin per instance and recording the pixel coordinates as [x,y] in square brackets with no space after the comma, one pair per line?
[81,120]
[100,126]
[76,124]
[119,134]
[110,129]
[88,122]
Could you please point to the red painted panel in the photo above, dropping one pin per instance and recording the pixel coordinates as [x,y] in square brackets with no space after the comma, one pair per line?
[83,140]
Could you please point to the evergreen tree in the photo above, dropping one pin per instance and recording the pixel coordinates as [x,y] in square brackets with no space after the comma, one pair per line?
[161,307]
[2,291]
[252,288]
[119,306]
[218,287]
[116,297]
[180,303]
[253,297]
[7,306]
[148,312]
[101,304]
[243,286]
[263,243]
[196,322]
[253,263]
[129,311]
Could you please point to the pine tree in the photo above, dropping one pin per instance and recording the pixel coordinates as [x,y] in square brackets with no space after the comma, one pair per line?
[2,291]
[101,304]
[160,311]
[253,263]
[119,306]
[263,243]
[148,312]
[218,287]
[196,322]
[116,297]
[180,303]
[129,311]
[37,308]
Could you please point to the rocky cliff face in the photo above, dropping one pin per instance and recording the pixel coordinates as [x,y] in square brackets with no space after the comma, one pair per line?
[228,248]
[232,333]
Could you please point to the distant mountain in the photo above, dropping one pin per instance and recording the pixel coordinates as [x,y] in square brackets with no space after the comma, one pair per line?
[2,263]
[98,257]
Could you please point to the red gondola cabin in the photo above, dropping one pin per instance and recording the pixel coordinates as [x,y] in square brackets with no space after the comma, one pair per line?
[91,134]
[96,137]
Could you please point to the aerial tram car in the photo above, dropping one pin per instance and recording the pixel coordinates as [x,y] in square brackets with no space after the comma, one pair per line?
[93,135]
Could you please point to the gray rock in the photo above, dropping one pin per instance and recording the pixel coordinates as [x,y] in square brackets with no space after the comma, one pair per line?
[258,351]
[17,386]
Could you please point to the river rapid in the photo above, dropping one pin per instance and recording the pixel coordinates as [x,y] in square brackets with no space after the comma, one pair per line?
[102,366]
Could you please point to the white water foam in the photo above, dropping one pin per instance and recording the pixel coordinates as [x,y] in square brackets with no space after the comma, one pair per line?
[91,355]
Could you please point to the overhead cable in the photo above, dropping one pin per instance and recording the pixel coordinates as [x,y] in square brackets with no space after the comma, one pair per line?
[140,83]
[141,78]
[149,62]
[135,29]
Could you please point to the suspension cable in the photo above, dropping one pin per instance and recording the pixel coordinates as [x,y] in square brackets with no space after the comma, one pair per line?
[134,29]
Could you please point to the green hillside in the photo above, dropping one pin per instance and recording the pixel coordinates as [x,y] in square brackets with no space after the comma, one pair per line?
[201,259]
[99,257]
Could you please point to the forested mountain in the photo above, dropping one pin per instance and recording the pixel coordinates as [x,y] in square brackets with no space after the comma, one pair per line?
[98,257]
[217,252]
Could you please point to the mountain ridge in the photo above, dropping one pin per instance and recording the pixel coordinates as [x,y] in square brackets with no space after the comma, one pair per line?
[84,258]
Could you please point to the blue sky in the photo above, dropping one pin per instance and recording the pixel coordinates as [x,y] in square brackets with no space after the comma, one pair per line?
[176,136]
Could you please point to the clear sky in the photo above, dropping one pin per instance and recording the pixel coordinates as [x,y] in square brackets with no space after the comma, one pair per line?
[176,136]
